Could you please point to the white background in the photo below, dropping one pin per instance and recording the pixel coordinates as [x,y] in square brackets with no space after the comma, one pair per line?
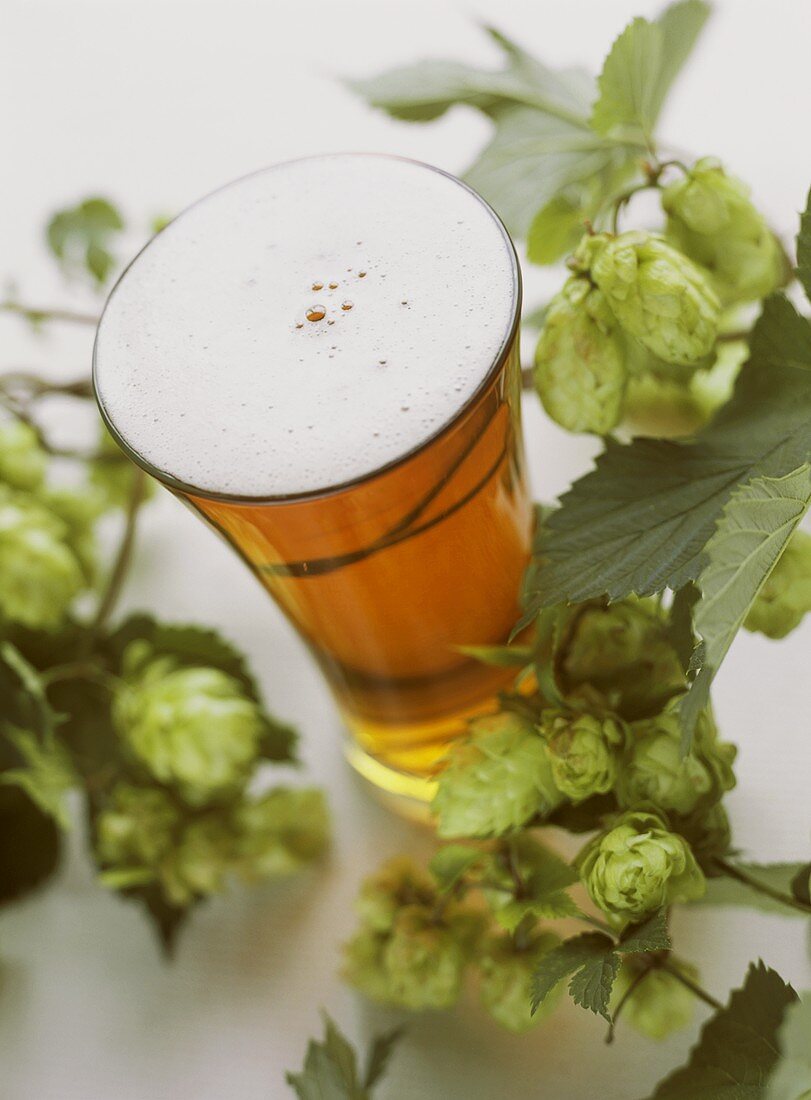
[153,104]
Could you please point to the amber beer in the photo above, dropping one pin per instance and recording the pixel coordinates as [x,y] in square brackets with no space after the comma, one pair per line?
[322,359]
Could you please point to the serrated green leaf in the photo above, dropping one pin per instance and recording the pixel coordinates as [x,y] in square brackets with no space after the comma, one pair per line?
[804,248]
[643,63]
[533,157]
[545,878]
[737,1049]
[47,774]
[777,876]
[555,231]
[45,717]
[330,1067]
[791,1079]
[650,935]
[755,526]
[424,91]
[641,520]
[452,862]
[380,1054]
[591,960]
[801,884]
[79,237]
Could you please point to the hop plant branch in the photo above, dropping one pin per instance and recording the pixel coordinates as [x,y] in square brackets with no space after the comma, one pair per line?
[733,871]
[39,314]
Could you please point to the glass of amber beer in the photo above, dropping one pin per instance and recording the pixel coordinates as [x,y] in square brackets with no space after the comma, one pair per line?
[321,359]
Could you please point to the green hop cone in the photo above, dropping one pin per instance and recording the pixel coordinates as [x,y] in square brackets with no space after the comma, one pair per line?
[622,651]
[194,729]
[637,867]
[786,596]
[398,882]
[583,751]
[580,372]
[496,781]
[142,837]
[657,294]
[712,220]
[279,832]
[506,979]
[425,961]
[659,1003]
[22,460]
[40,572]
[654,769]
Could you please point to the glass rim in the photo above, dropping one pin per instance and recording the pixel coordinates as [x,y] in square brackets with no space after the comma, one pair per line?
[495,368]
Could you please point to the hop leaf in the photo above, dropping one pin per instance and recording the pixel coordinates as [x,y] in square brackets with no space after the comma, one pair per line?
[657,294]
[79,237]
[506,979]
[786,595]
[40,571]
[638,866]
[47,774]
[193,728]
[580,372]
[711,220]
[496,781]
[22,460]
[659,1004]
[655,770]
[582,751]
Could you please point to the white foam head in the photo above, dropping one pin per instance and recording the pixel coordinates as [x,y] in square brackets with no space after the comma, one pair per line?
[208,368]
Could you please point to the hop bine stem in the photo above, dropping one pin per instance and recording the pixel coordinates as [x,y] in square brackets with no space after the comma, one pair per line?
[688,983]
[37,314]
[731,870]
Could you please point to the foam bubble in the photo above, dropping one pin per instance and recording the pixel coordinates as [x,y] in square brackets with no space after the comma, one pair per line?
[213,340]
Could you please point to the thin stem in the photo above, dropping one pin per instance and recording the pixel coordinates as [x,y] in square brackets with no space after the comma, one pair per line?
[49,313]
[629,992]
[688,983]
[733,871]
[121,564]
[595,922]
[22,414]
[38,387]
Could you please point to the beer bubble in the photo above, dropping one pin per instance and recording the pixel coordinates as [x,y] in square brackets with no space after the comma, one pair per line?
[361,274]
[333,286]
[318,286]
[346,306]
[316,313]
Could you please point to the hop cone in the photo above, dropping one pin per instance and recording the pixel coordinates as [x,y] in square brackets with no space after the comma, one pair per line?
[657,294]
[583,752]
[506,979]
[279,832]
[623,652]
[712,220]
[659,1003]
[193,728]
[655,770]
[22,460]
[638,866]
[580,371]
[496,781]
[786,596]
[40,571]
[397,883]
[142,837]
[424,960]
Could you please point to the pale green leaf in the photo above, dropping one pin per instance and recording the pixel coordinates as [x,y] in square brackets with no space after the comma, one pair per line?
[804,248]
[555,230]
[451,862]
[792,1075]
[47,774]
[775,876]
[643,63]
[753,531]
[737,1049]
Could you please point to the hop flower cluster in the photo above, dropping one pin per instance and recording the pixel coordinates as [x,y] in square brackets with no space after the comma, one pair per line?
[415,946]
[186,822]
[46,535]
[643,306]
[785,598]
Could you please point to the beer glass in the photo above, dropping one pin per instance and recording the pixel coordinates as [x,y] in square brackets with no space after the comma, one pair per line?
[322,360]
